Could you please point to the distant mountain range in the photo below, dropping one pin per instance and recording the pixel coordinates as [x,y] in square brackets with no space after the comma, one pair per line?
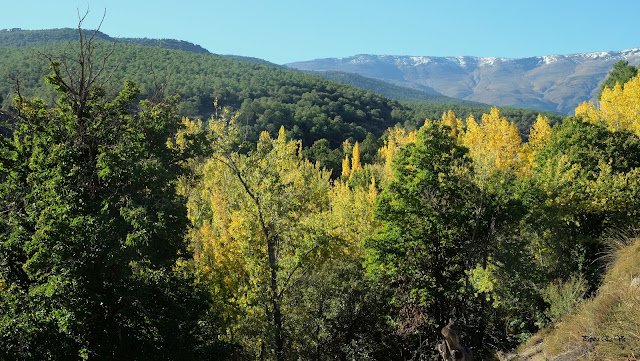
[556,83]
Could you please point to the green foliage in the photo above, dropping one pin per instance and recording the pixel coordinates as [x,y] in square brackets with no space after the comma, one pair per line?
[92,254]
[563,297]
[98,259]
[620,74]
[585,184]
[433,220]
[322,154]
[345,316]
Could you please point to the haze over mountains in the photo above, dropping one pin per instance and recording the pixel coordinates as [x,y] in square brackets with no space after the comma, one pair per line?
[556,82]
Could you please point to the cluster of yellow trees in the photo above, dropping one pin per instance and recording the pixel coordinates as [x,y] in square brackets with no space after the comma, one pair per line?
[494,144]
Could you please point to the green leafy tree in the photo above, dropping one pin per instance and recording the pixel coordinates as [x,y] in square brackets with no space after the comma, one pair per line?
[92,254]
[432,233]
[587,181]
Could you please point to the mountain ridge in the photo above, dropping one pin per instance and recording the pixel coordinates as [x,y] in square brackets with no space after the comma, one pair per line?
[26,38]
[550,82]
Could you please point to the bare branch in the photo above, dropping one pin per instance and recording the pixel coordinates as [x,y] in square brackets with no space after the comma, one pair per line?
[16,88]
[159,90]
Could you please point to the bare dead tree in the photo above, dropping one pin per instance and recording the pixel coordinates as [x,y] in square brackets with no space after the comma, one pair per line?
[159,93]
[79,75]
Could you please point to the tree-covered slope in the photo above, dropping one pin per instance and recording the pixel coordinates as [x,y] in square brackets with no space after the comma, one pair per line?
[19,37]
[267,97]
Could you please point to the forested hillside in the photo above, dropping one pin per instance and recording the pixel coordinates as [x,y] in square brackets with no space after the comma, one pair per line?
[19,37]
[130,231]
[391,91]
[311,109]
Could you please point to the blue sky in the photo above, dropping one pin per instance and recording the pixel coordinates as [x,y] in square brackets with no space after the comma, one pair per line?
[284,31]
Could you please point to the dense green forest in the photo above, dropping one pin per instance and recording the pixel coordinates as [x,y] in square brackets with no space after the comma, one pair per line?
[130,231]
[24,38]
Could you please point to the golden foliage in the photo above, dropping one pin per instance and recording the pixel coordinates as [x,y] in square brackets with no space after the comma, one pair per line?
[346,168]
[540,132]
[398,137]
[495,144]
[351,213]
[450,120]
[355,160]
[619,107]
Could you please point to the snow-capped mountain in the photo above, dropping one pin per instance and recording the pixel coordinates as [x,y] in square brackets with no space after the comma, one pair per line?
[553,82]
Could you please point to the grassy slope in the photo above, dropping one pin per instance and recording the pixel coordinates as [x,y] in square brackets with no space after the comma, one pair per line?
[605,327]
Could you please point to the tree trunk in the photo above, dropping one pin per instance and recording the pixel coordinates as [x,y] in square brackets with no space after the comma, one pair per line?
[275,301]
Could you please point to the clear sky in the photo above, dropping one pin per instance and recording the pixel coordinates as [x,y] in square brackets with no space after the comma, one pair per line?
[283,31]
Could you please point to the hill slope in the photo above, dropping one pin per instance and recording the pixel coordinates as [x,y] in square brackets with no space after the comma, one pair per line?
[390,90]
[29,38]
[267,97]
[604,327]
[557,83]
[310,108]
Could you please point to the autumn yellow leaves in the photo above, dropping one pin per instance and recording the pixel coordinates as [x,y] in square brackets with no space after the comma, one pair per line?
[619,107]
[267,223]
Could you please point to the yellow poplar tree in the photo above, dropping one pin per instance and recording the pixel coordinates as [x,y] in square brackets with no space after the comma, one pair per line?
[588,112]
[355,160]
[619,107]
[449,119]
[473,136]
[350,217]
[346,168]
[398,137]
[255,232]
[540,131]
[495,144]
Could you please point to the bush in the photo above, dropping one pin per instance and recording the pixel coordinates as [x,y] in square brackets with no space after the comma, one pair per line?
[564,296]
